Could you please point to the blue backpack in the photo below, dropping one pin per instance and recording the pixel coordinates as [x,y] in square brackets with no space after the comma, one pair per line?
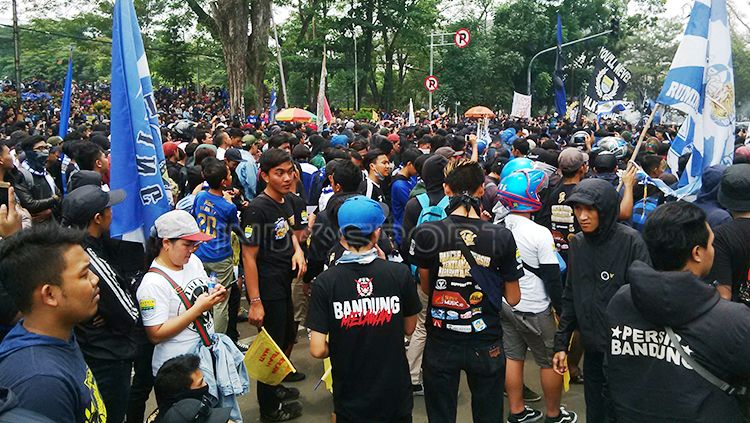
[641,209]
[430,214]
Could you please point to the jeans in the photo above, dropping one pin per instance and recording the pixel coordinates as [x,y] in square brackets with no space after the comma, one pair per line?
[143,381]
[596,392]
[416,343]
[279,323]
[113,381]
[484,366]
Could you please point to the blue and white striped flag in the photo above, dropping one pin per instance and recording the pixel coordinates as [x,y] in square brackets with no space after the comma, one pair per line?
[700,83]
[137,156]
[272,108]
[607,108]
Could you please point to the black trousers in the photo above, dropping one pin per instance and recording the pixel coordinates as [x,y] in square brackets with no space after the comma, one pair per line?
[143,382]
[113,381]
[279,323]
[484,366]
[595,389]
[234,308]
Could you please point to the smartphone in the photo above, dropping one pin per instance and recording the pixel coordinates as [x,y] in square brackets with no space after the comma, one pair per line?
[4,192]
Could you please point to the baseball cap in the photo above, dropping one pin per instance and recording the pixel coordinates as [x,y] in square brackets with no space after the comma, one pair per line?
[362,213]
[572,158]
[394,138]
[249,140]
[179,224]
[54,140]
[350,125]
[193,410]
[340,141]
[448,152]
[734,191]
[233,155]
[83,203]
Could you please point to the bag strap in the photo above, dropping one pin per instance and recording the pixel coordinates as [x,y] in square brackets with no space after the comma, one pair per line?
[424,200]
[186,302]
[705,374]
[461,244]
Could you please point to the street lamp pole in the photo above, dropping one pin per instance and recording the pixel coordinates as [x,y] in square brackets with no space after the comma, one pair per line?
[547,50]
[16,54]
[281,65]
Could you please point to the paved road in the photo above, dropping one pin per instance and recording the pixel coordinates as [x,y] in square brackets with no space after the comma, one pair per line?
[318,404]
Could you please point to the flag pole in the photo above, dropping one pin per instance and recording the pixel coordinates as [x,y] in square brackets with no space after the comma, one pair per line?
[644,130]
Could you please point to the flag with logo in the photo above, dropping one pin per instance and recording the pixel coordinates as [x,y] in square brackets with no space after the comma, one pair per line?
[324,111]
[558,78]
[700,83]
[272,108]
[608,82]
[265,361]
[137,156]
[65,120]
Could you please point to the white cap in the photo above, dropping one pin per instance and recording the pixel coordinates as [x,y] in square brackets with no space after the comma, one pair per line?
[179,224]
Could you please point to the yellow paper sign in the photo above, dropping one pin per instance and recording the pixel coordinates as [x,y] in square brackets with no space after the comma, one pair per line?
[265,361]
[327,378]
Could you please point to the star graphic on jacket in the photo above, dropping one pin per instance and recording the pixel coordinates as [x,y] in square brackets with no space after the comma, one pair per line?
[687,349]
[616,332]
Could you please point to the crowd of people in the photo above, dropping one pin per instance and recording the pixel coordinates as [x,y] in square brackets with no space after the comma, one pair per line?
[538,235]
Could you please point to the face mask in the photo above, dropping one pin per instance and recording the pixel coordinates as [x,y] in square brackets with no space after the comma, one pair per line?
[37,159]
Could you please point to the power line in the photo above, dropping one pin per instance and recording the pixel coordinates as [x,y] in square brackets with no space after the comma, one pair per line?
[94,40]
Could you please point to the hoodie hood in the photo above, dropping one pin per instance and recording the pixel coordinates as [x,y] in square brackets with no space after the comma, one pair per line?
[19,338]
[710,184]
[669,298]
[432,173]
[600,194]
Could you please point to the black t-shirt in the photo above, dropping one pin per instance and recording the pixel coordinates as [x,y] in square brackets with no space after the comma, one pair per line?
[732,258]
[375,191]
[362,309]
[559,217]
[458,310]
[269,225]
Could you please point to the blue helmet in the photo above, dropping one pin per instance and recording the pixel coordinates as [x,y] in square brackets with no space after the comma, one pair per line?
[519,191]
[516,164]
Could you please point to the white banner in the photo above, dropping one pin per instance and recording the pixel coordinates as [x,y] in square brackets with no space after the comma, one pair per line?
[521,106]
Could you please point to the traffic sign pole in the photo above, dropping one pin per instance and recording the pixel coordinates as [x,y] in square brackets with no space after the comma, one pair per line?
[460,37]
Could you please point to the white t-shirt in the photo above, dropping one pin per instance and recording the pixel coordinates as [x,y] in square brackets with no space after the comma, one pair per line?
[537,247]
[159,302]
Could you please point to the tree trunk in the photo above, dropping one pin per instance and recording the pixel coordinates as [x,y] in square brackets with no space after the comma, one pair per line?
[231,17]
[257,47]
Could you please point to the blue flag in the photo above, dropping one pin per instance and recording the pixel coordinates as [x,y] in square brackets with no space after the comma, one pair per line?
[65,119]
[558,78]
[700,83]
[272,107]
[137,156]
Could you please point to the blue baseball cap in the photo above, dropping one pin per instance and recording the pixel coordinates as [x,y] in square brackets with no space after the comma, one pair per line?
[340,140]
[362,213]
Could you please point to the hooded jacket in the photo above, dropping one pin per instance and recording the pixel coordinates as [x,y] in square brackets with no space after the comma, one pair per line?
[648,380]
[708,197]
[49,376]
[433,177]
[597,263]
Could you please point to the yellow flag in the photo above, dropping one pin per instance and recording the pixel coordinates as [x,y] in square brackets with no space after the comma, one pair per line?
[265,361]
[374,116]
[327,378]
[566,380]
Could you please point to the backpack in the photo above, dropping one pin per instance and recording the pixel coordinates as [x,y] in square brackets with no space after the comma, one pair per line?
[430,213]
[642,209]
[317,182]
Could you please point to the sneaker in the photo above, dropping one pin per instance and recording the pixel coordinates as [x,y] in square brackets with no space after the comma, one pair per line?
[529,395]
[242,347]
[287,411]
[417,390]
[565,416]
[295,377]
[526,416]
[285,394]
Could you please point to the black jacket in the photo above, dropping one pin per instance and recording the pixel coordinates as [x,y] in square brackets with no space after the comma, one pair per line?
[648,380]
[597,263]
[433,177]
[34,198]
[114,262]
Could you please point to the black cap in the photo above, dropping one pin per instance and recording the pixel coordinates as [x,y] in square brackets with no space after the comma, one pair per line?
[234,155]
[734,191]
[192,410]
[83,203]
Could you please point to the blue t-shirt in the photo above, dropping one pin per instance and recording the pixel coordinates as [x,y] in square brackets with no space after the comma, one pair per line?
[215,217]
[49,376]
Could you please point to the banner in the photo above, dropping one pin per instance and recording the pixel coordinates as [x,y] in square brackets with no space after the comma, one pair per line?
[265,361]
[558,77]
[521,105]
[411,121]
[272,108]
[608,82]
[137,156]
[324,111]
[700,83]
[65,121]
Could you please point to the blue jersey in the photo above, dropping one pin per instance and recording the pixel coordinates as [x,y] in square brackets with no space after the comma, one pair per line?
[215,217]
